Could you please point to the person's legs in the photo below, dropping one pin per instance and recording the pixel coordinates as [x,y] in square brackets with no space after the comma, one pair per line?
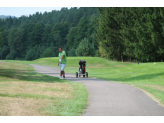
[61,72]
[62,69]
[64,74]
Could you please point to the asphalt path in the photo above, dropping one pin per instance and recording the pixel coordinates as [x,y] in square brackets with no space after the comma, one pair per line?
[109,98]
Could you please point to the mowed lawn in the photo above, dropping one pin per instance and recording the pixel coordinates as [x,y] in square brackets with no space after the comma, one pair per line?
[23,92]
[146,76]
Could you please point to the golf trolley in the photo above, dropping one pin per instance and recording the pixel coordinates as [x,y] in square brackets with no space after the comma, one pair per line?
[82,69]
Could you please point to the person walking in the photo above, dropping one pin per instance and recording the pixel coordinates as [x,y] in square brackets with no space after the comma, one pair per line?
[62,62]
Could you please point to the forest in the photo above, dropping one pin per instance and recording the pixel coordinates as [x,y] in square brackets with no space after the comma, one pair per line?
[40,35]
[115,33]
[131,33]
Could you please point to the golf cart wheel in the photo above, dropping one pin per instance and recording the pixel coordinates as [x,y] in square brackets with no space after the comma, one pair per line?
[83,75]
[76,74]
[79,75]
[86,74]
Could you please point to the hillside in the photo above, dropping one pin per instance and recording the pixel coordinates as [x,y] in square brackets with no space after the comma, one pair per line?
[40,35]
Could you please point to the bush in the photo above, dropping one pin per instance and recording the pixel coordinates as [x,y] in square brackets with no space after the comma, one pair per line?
[12,55]
[72,52]
[98,53]
[85,48]
[5,52]
[31,55]
[48,52]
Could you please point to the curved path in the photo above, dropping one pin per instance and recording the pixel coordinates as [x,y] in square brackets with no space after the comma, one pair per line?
[111,98]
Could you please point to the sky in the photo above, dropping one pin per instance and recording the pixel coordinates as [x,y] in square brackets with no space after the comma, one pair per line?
[19,11]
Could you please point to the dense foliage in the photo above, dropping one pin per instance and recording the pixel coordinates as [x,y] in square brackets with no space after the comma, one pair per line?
[131,33]
[123,34]
[40,35]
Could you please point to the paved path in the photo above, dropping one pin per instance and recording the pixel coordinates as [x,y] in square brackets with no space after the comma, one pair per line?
[111,98]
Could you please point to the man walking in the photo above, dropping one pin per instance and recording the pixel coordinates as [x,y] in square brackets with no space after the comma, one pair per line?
[62,62]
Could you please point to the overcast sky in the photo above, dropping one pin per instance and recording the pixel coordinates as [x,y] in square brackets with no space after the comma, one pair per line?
[18,11]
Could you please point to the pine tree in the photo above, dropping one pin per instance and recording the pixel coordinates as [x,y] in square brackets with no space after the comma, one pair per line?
[143,35]
[71,37]
[108,34]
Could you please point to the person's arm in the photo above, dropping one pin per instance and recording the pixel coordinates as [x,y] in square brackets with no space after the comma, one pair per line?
[62,57]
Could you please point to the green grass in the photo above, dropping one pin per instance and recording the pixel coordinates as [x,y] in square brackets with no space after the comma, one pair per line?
[146,76]
[71,107]
[16,74]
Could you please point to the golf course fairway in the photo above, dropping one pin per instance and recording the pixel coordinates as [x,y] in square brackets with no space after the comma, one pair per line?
[146,76]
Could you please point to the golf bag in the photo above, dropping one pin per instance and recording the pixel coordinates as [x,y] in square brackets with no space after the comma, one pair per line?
[82,64]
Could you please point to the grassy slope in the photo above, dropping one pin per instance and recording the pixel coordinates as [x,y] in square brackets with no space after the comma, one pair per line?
[146,76]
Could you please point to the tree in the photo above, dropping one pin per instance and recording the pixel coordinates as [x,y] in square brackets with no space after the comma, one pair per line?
[5,51]
[57,28]
[91,25]
[4,34]
[39,49]
[77,15]
[58,40]
[71,37]
[0,36]
[82,30]
[9,22]
[14,39]
[85,48]
[65,29]
[108,34]
[15,22]
[69,18]
[36,34]
[47,31]
[12,55]
[132,32]
[72,52]
[55,35]
[143,35]
[39,33]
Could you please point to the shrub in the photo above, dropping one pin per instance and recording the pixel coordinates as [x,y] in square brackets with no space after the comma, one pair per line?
[48,52]
[31,55]
[12,55]
[72,52]
[85,48]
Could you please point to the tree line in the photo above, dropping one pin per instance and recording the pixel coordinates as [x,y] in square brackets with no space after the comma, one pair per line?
[40,35]
[117,33]
[133,34]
